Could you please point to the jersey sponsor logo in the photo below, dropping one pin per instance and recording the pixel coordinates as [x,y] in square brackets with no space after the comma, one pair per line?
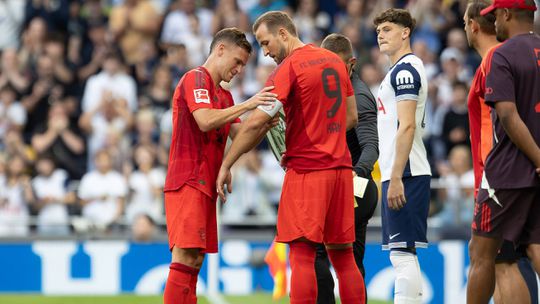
[201,96]
[489,90]
[404,80]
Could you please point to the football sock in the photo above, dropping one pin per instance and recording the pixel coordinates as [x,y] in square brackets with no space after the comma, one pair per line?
[178,286]
[351,282]
[408,285]
[303,278]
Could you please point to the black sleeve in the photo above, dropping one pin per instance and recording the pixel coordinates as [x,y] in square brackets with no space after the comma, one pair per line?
[365,147]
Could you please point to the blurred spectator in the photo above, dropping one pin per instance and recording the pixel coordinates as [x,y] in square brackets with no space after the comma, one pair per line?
[158,95]
[457,39]
[63,139]
[102,193]
[51,198]
[197,44]
[250,196]
[54,12]
[12,113]
[146,133]
[457,192]
[356,18]
[455,129]
[11,20]
[15,197]
[264,6]
[228,14]
[177,24]
[14,145]
[55,50]
[176,59]
[143,228]
[11,72]
[106,126]
[432,19]
[112,82]
[372,77]
[46,89]
[133,24]
[311,23]
[420,48]
[147,60]
[146,186]
[90,55]
[33,41]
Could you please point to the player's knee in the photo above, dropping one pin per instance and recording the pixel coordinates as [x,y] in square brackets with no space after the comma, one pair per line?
[533,252]
[186,256]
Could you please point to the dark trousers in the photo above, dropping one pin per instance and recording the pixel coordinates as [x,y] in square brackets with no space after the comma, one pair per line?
[362,214]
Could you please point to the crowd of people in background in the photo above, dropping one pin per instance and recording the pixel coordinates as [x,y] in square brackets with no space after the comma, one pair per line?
[86,86]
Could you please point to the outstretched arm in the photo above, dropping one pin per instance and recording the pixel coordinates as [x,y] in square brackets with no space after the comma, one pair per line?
[210,119]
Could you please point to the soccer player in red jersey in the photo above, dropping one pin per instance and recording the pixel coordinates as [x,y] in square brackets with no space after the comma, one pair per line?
[509,191]
[510,285]
[316,204]
[203,115]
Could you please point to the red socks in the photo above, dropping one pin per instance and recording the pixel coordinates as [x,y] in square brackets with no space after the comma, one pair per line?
[303,279]
[351,282]
[181,283]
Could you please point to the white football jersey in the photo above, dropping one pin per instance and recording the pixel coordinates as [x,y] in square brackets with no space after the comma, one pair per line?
[406,80]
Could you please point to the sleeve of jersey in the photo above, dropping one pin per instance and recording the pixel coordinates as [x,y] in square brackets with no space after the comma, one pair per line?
[499,81]
[281,78]
[406,82]
[196,91]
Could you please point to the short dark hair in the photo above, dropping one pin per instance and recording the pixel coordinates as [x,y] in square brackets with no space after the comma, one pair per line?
[524,15]
[275,19]
[397,16]
[232,35]
[338,44]
[486,22]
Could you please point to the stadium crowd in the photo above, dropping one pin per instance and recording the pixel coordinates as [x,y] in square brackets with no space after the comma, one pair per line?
[86,86]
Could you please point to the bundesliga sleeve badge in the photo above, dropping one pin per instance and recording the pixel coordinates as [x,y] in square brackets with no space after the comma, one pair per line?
[201,96]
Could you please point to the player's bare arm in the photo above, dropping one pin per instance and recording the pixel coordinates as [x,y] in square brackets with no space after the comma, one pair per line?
[352,112]
[517,131]
[210,119]
[406,110]
[250,133]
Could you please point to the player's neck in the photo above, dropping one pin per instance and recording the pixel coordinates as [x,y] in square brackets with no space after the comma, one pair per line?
[406,49]
[484,43]
[294,44]
[519,28]
[210,67]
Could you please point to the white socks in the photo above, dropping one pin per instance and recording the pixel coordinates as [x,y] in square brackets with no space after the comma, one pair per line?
[408,289]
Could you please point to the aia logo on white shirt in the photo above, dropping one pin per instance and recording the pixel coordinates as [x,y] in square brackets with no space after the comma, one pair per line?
[201,96]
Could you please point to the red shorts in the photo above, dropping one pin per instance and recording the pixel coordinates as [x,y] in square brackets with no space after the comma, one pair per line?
[191,219]
[317,205]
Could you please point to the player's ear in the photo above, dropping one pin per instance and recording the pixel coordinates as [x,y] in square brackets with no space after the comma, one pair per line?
[406,33]
[282,33]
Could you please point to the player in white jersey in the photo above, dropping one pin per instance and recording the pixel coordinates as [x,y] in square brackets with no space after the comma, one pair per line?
[405,170]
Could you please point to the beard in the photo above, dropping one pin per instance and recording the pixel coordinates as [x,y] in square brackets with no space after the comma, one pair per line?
[502,34]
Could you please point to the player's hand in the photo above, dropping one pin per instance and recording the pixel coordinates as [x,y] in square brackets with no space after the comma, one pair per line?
[224,178]
[396,194]
[272,123]
[264,97]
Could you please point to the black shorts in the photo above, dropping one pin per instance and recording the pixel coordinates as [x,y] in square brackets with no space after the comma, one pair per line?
[509,253]
[510,214]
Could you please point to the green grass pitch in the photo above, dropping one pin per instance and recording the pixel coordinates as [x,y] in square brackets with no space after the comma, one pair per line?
[258,298]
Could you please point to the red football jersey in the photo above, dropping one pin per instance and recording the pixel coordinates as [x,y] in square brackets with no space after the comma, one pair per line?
[195,156]
[313,85]
[480,119]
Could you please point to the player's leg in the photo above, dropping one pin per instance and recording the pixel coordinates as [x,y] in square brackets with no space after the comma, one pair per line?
[303,279]
[529,275]
[510,286]
[532,230]
[338,237]
[481,282]
[403,231]
[325,281]
[192,231]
